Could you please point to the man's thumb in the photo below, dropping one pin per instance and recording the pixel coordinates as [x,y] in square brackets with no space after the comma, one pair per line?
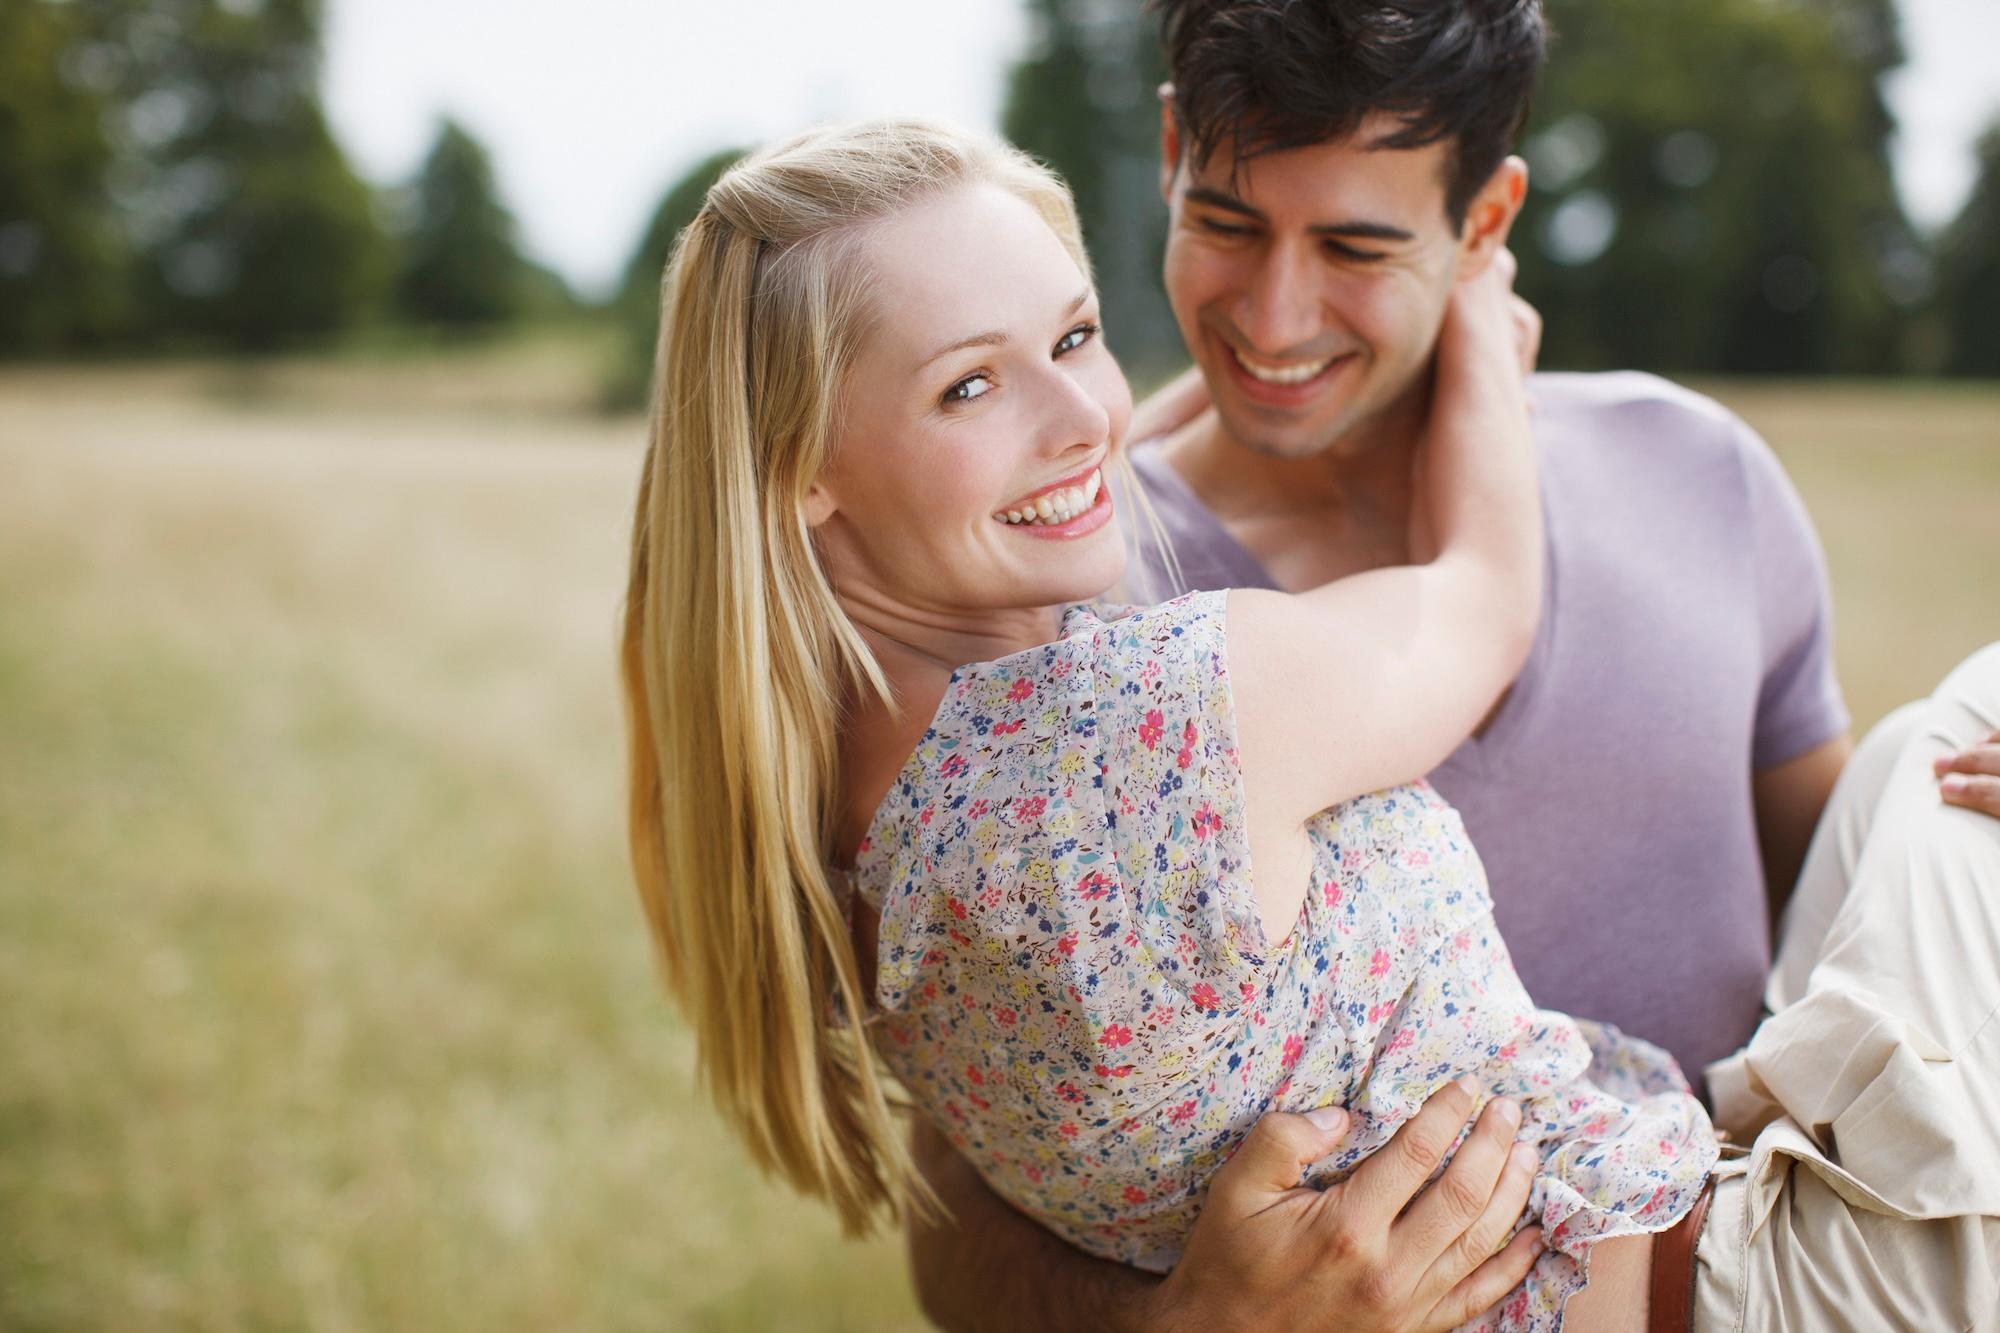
[1278,1150]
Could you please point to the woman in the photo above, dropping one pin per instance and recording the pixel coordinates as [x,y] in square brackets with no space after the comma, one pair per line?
[883,427]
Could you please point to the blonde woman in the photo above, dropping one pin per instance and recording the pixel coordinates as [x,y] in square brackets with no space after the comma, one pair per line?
[886,428]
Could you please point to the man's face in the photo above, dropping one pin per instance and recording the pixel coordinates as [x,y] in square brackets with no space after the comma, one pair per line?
[1311,288]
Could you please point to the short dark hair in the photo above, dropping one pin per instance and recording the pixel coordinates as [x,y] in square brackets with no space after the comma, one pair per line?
[1264,75]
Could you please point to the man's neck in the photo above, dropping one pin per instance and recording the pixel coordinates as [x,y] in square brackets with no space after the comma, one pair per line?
[1310,520]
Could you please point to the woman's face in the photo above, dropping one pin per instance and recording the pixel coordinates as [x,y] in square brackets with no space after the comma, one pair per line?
[966,477]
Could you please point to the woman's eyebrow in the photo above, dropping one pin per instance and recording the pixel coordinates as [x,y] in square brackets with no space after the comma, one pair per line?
[994,337]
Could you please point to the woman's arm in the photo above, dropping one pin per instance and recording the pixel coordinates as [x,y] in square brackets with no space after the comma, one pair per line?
[1372,680]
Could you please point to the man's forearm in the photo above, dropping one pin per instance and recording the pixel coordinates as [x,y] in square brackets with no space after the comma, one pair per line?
[988,1269]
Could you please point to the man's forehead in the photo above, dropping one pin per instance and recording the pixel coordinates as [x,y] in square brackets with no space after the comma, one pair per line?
[1338,176]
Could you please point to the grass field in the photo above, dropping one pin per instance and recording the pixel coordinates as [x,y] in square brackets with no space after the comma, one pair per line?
[324,1002]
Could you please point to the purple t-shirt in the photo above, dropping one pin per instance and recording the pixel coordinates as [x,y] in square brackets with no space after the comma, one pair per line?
[1685,642]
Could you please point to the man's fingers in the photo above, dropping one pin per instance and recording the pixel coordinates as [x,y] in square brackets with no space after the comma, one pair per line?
[1381,1186]
[1457,1201]
[1476,1242]
[1490,1282]
[1974,793]
[1270,1160]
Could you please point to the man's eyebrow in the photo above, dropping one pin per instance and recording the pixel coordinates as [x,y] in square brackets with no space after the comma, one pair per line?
[994,337]
[1354,230]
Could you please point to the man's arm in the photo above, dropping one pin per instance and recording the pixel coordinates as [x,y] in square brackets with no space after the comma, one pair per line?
[1265,1253]
[1789,798]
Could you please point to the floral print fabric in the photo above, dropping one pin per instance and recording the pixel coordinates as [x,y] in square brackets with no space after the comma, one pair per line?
[1073,983]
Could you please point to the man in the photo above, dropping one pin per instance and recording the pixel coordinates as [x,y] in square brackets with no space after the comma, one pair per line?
[1644,794]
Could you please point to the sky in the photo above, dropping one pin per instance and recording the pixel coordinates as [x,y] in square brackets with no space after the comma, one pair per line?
[591,115]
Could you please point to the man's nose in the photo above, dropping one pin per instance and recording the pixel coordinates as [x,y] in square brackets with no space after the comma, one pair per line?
[1280,309]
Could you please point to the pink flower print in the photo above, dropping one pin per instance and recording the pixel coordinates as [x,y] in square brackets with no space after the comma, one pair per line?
[1417,858]
[1021,689]
[989,897]
[925,816]
[1006,1018]
[1206,822]
[1249,992]
[953,766]
[1203,997]
[972,1072]
[958,908]
[1162,1015]
[1133,1194]
[1378,966]
[1007,728]
[1111,1071]
[1183,1113]
[1034,1173]
[1031,808]
[1095,885]
[1294,1048]
[977,809]
[1115,1034]
[1067,944]
[1069,1092]
[1152,728]
[1332,894]
[1067,1129]
[1402,1041]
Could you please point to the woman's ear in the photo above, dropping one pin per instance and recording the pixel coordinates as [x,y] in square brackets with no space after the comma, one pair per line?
[819,505]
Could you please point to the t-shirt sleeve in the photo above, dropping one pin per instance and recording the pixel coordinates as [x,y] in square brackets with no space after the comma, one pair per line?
[1799,704]
[1173,793]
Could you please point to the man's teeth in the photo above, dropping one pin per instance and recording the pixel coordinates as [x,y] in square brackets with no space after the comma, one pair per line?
[1056,506]
[1292,374]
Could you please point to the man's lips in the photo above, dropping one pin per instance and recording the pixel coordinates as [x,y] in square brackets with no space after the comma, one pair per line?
[1280,383]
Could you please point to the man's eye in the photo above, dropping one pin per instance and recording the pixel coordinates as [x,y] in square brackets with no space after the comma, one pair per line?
[1340,251]
[1076,338]
[969,388]
[1223,228]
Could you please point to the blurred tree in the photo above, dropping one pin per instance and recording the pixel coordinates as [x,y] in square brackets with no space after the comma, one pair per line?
[199,122]
[63,262]
[1711,188]
[637,304]
[460,266]
[1084,101]
[1969,271]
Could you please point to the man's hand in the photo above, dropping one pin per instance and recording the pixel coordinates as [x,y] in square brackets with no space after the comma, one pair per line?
[1267,1253]
[1971,777]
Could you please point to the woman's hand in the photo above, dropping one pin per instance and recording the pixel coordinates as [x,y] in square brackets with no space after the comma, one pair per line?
[1971,778]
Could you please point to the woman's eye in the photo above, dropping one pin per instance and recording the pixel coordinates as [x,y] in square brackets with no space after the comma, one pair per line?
[969,388]
[1076,338]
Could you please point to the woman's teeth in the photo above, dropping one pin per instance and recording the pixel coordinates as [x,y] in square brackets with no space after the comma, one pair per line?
[1274,374]
[1056,506]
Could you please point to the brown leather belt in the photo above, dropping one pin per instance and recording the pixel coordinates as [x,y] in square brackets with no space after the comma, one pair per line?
[1672,1307]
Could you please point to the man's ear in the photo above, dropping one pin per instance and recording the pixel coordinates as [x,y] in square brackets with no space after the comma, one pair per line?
[1490,216]
[1170,142]
[819,505]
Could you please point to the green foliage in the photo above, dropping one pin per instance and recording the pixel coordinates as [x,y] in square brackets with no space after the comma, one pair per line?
[461,266]
[1711,189]
[166,167]
[1084,101]
[62,260]
[637,305]
[1969,271]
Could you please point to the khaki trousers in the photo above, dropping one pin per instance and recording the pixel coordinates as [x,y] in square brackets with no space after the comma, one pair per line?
[1869,1195]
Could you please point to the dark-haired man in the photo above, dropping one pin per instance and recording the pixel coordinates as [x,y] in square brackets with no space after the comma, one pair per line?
[1332,169]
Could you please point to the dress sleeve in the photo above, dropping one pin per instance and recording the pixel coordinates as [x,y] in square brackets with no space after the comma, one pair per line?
[1173,796]
[1799,703]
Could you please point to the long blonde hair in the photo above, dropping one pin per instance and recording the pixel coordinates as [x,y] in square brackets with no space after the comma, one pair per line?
[736,658]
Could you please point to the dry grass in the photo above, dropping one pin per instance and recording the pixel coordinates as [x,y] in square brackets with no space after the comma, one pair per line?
[323,997]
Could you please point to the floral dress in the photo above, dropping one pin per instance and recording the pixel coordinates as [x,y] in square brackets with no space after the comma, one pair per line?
[1073,983]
